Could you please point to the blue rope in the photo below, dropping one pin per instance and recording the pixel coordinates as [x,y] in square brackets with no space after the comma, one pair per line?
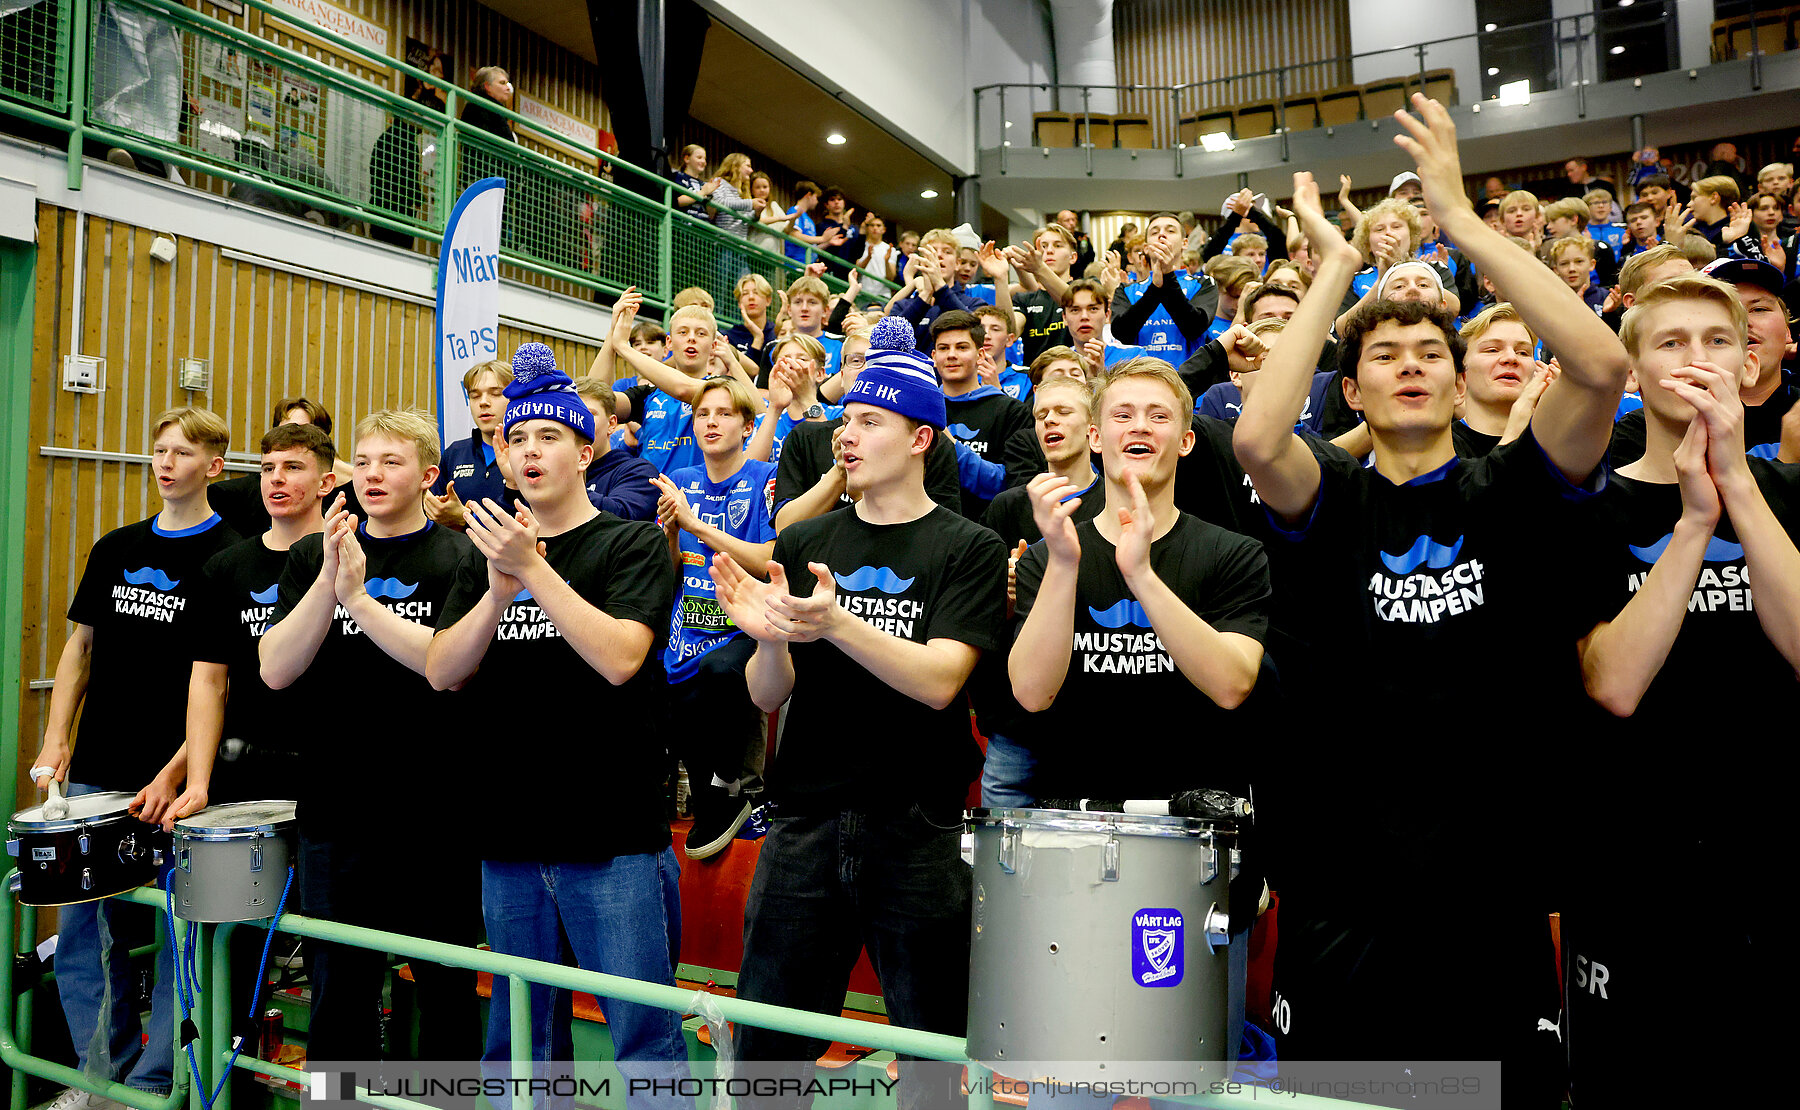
[187,979]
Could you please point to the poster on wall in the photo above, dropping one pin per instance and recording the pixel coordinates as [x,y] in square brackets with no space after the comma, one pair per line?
[429,58]
[259,98]
[352,128]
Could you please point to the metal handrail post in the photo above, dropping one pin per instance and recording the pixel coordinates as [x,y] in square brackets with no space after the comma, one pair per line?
[665,258]
[1281,109]
[80,28]
[1003,143]
[1175,117]
[518,1000]
[1580,73]
[1087,130]
[448,171]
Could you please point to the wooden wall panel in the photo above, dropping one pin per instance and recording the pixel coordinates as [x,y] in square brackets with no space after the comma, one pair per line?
[1174,42]
[267,333]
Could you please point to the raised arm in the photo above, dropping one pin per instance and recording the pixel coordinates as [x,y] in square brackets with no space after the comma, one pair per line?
[1573,423]
[659,374]
[1283,469]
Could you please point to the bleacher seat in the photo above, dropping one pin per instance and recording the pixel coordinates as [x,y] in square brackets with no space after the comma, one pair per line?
[1052,129]
[1134,132]
[1208,123]
[1384,98]
[1300,112]
[1340,106]
[1255,121]
[1099,130]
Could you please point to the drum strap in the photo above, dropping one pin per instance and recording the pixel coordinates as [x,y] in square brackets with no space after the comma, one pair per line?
[187,983]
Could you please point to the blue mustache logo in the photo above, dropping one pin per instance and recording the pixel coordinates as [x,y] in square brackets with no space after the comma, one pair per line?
[962,431]
[1764,451]
[880,578]
[390,587]
[267,597]
[524,595]
[150,576]
[1124,612]
[1424,552]
[1717,550]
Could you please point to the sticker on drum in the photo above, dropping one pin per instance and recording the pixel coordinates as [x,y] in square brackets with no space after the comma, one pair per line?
[1157,953]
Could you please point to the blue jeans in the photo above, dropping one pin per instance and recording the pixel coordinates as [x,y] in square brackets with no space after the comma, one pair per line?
[829,885]
[621,916]
[96,988]
[1004,775]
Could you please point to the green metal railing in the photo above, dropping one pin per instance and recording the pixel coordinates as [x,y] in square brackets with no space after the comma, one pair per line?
[292,133]
[212,1016]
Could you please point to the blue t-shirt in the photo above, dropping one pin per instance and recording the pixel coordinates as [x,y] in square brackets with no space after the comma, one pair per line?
[1123,352]
[1159,335]
[982,293]
[666,434]
[741,506]
[802,226]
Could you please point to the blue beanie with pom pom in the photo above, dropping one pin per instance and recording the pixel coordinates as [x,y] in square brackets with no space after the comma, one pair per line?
[896,377]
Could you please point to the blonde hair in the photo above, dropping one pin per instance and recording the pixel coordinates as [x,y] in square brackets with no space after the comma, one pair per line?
[756,282]
[1409,215]
[597,390]
[695,312]
[735,170]
[1063,381]
[1249,243]
[940,235]
[1266,324]
[500,368]
[200,427]
[1631,275]
[809,346]
[1683,287]
[1593,195]
[1560,247]
[1720,186]
[1774,168]
[743,399]
[808,286]
[692,295]
[1057,230]
[1501,313]
[1231,273]
[1143,366]
[1518,198]
[1569,209]
[402,424]
[1047,356]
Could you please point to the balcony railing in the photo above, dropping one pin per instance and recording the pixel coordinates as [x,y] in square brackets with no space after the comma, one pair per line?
[292,133]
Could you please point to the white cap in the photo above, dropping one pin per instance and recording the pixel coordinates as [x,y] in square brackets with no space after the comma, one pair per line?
[1401,179]
[1437,279]
[966,237]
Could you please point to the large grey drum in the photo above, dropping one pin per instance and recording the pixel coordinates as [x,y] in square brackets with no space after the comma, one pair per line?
[1100,946]
[231,861]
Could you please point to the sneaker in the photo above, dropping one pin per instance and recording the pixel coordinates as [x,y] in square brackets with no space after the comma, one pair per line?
[77,1099]
[121,157]
[717,818]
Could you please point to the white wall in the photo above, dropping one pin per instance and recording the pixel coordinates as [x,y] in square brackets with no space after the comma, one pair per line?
[1379,24]
[912,66]
[1693,19]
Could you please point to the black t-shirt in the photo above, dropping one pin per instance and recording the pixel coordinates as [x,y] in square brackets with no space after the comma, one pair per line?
[850,741]
[983,424]
[806,456]
[622,568]
[242,585]
[394,727]
[1443,571]
[1044,327]
[1119,663]
[140,593]
[1469,443]
[1762,429]
[238,500]
[1009,514]
[1634,521]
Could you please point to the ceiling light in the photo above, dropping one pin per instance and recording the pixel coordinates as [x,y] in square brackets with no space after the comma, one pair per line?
[1625,3]
[1491,27]
[1216,141]
[836,139]
[1493,71]
[1516,92]
[928,194]
[1616,50]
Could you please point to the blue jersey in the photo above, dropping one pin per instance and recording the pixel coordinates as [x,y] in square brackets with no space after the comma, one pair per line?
[982,293]
[804,225]
[1016,383]
[1122,352]
[666,434]
[1613,235]
[741,506]
[1159,335]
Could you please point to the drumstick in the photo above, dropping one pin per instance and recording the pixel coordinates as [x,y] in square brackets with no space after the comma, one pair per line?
[55,807]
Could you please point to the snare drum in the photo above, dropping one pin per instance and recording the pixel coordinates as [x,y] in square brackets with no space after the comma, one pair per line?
[231,861]
[95,851]
[1100,944]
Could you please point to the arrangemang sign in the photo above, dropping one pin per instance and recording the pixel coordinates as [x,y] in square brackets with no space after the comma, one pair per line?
[330,17]
[569,127]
